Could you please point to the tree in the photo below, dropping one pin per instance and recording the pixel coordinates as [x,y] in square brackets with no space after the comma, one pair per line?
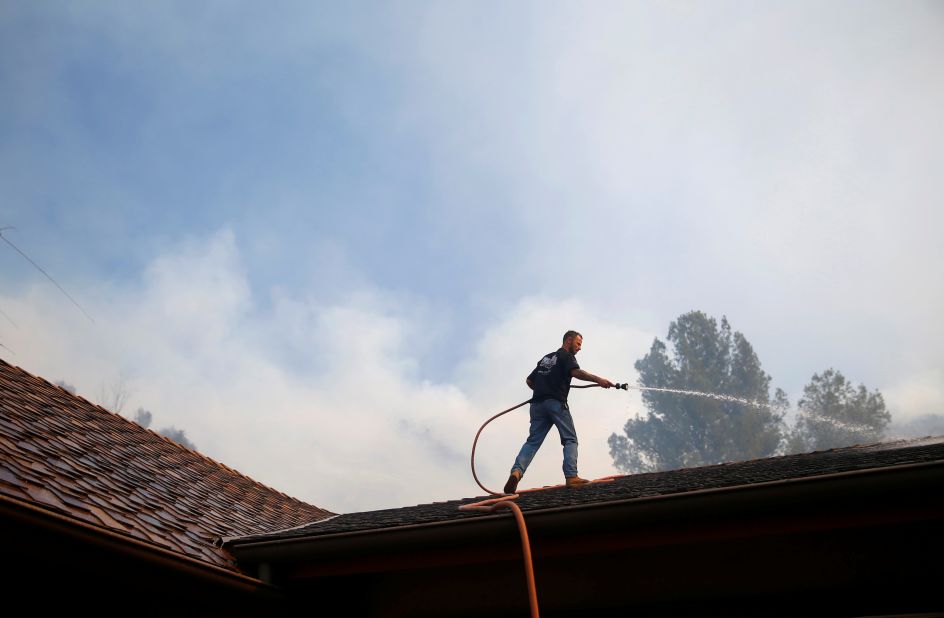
[834,413]
[115,395]
[65,386]
[177,435]
[684,431]
[144,417]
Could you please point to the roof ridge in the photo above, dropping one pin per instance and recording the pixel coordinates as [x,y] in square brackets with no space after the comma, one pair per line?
[900,442]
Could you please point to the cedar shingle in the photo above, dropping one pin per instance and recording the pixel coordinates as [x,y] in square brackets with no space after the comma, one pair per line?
[65,454]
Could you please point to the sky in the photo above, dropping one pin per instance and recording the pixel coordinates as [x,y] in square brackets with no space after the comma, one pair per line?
[328,240]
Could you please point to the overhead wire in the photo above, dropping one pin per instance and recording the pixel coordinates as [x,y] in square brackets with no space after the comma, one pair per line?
[9,319]
[40,269]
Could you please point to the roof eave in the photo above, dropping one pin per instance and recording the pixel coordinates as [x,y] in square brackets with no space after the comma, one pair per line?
[27,513]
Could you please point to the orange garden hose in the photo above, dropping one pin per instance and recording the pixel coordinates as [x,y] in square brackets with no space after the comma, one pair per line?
[507,500]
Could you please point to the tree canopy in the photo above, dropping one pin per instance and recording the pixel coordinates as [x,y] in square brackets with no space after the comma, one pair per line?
[684,431]
[834,413]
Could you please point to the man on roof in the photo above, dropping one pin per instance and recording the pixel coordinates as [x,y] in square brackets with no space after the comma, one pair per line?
[550,382]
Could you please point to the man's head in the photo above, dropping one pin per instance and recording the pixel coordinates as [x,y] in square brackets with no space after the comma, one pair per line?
[572,341]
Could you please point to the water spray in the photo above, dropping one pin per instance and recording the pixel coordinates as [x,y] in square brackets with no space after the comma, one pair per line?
[729,398]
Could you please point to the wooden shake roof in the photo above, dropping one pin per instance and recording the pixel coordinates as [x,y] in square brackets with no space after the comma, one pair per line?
[66,455]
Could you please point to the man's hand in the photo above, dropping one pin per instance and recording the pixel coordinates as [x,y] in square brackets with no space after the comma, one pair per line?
[604,382]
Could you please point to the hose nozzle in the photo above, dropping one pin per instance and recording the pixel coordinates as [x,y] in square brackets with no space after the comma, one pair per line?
[624,386]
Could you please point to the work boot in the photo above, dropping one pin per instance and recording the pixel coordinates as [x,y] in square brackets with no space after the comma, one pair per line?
[512,483]
[576,481]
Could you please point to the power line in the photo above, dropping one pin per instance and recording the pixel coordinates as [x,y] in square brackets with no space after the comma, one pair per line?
[9,319]
[39,268]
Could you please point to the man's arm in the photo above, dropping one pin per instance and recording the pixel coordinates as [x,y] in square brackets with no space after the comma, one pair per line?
[530,379]
[580,374]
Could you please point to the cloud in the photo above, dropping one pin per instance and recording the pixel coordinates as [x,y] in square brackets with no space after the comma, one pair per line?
[356,425]
[756,163]
[417,201]
[752,162]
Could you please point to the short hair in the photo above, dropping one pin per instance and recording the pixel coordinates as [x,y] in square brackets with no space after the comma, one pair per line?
[571,333]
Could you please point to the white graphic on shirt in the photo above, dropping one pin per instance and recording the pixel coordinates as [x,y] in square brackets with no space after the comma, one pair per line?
[547,363]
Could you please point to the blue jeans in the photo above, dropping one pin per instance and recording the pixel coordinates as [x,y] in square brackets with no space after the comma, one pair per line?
[545,414]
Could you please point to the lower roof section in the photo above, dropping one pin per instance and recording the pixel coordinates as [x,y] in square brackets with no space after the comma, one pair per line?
[631,487]
[859,541]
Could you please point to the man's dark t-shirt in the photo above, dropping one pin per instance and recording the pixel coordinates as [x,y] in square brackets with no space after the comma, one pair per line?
[551,377]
